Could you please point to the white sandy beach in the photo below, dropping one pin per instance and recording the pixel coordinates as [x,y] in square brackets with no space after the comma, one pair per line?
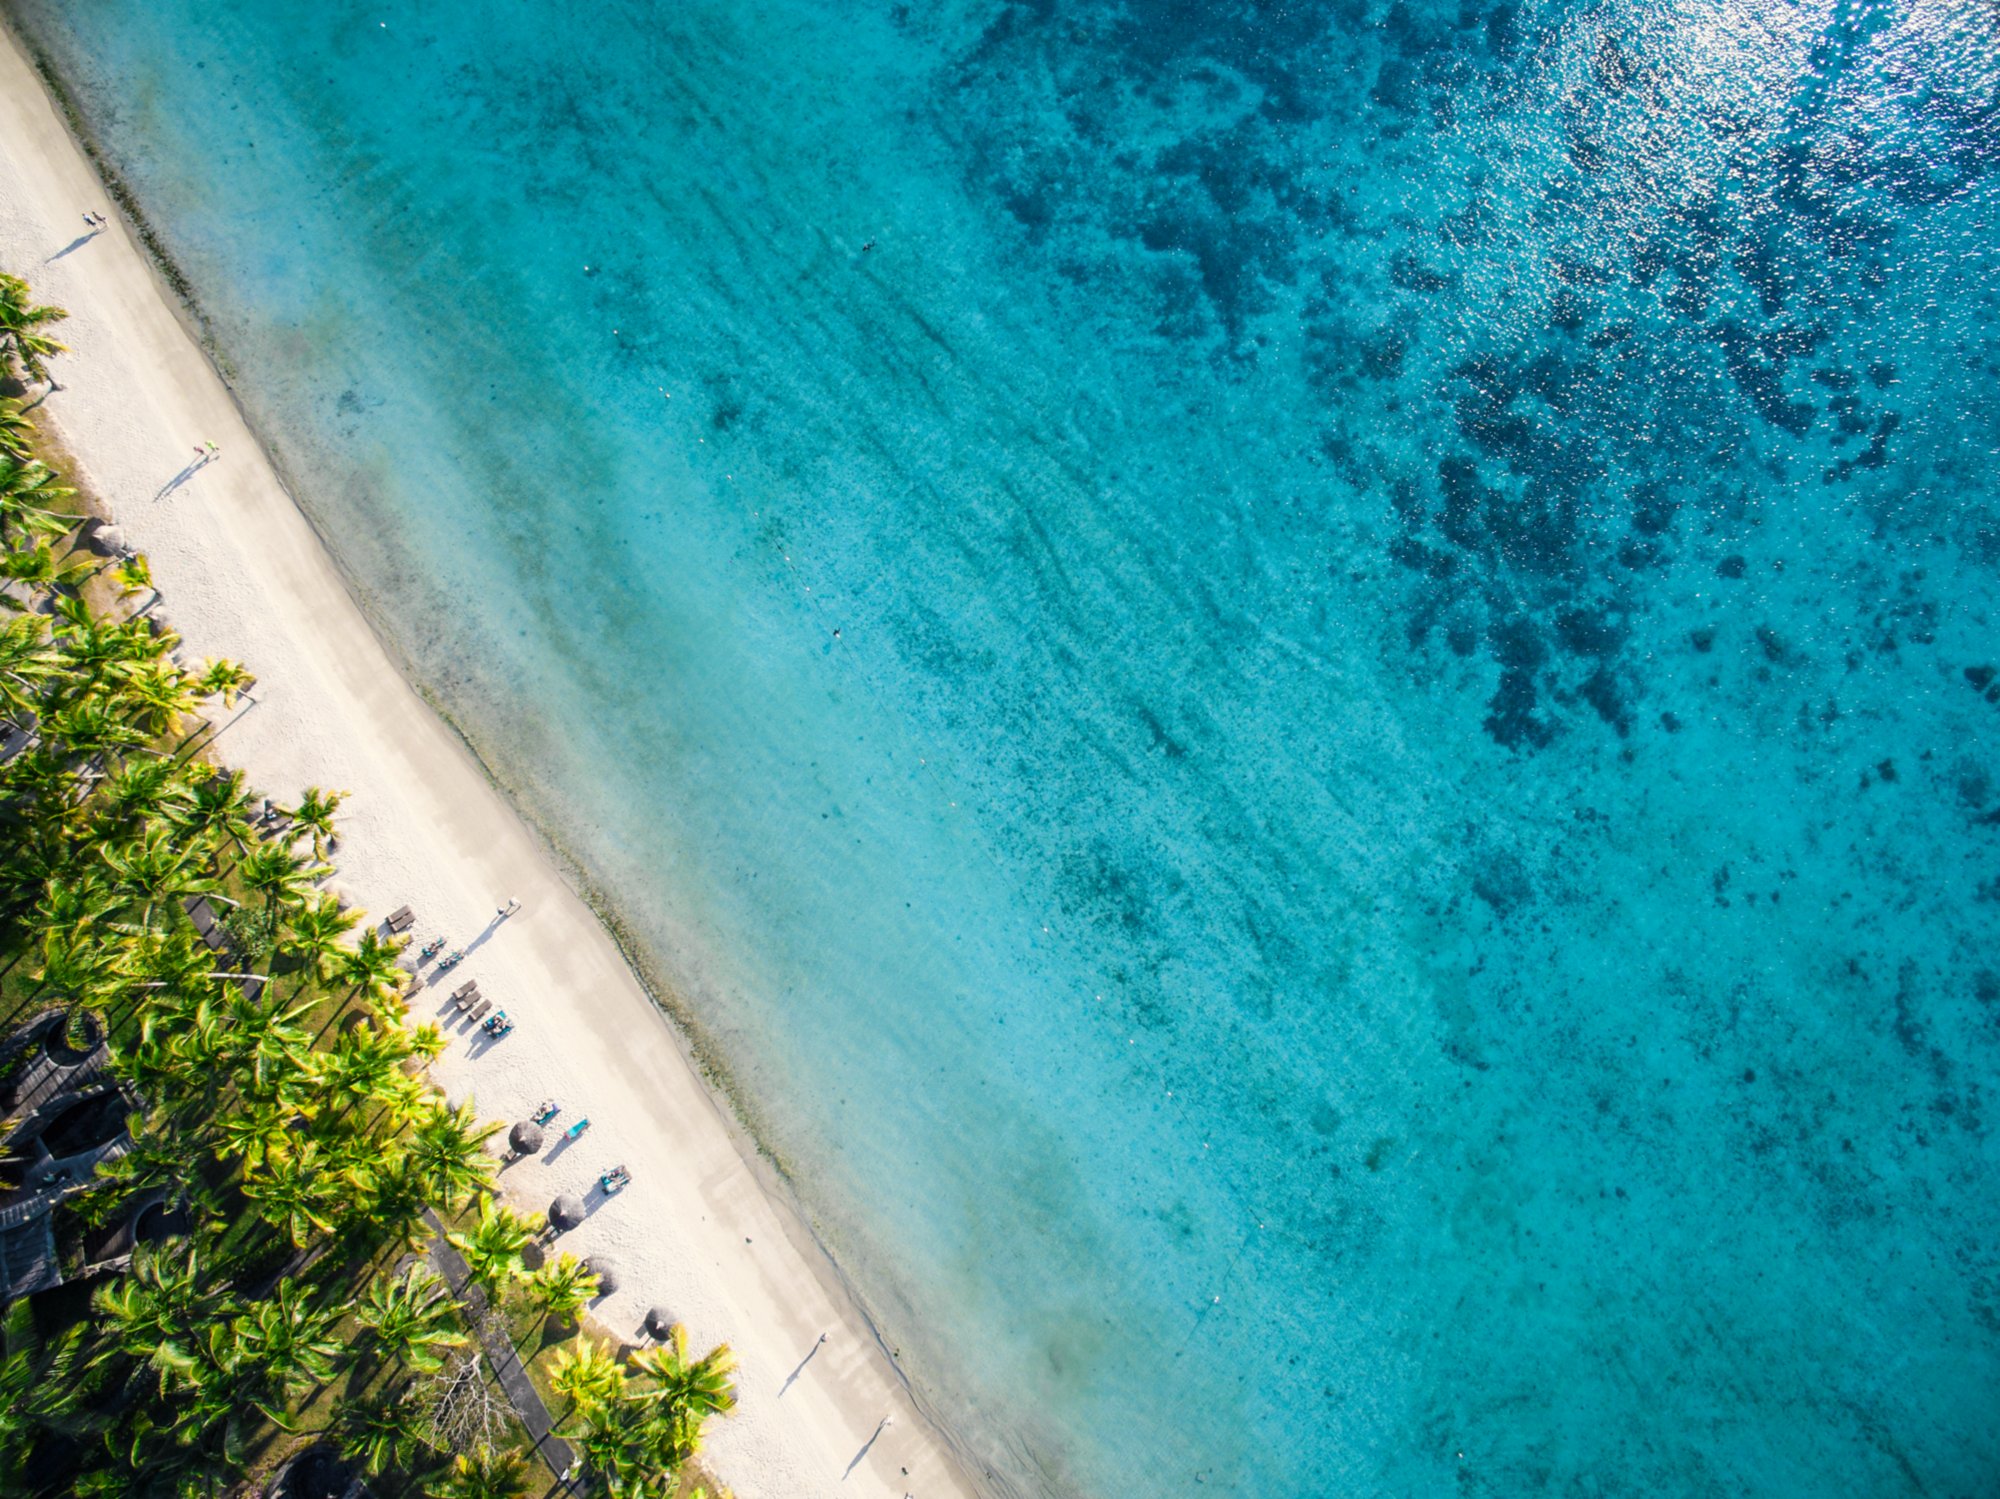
[244,575]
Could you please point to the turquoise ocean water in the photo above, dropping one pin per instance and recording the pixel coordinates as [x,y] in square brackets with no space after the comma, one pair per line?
[1304,692]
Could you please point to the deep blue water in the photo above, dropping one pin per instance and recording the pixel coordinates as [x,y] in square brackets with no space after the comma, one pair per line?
[1304,693]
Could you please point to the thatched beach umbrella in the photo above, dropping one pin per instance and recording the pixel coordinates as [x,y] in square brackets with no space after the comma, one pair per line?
[107,540]
[525,1138]
[606,1272]
[566,1212]
[659,1322]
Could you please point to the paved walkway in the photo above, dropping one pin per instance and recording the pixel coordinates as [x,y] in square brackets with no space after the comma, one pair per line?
[500,1353]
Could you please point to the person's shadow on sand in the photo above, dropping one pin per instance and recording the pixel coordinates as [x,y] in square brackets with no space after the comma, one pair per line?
[74,245]
[865,1446]
[181,478]
[793,1378]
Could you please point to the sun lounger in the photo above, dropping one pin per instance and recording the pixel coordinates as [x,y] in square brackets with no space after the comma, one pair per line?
[400,919]
[466,998]
[470,986]
[484,1006]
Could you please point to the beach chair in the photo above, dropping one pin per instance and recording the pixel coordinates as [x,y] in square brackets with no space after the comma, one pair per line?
[466,998]
[470,986]
[400,919]
[484,1006]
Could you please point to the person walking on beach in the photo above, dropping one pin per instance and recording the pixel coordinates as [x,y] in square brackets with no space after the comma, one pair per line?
[507,910]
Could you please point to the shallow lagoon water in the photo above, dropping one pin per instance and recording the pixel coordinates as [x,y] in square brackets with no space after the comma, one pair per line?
[1303,694]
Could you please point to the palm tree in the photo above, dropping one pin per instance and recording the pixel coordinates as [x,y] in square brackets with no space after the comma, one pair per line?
[687,1391]
[43,571]
[218,807]
[26,664]
[315,933]
[314,814]
[493,1246]
[271,1040]
[358,1161]
[363,1067]
[287,1344]
[279,875]
[157,1071]
[224,679]
[73,905]
[617,1450]
[31,501]
[381,1431]
[636,1439]
[585,1375]
[160,1155]
[24,345]
[395,1207]
[134,793]
[15,428]
[159,694]
[249,1131]
[132,575]
[563,1286]
[167,967]
[635,1453]
[94,647]
[372,969]
[158,1313]
[412,1317]
[445,1156]
[291,1192]
[160,866]
[91,728]
[41,1389]
[428,1042]
[38,846]
[189,1447]
[77,965]
[481,1474]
